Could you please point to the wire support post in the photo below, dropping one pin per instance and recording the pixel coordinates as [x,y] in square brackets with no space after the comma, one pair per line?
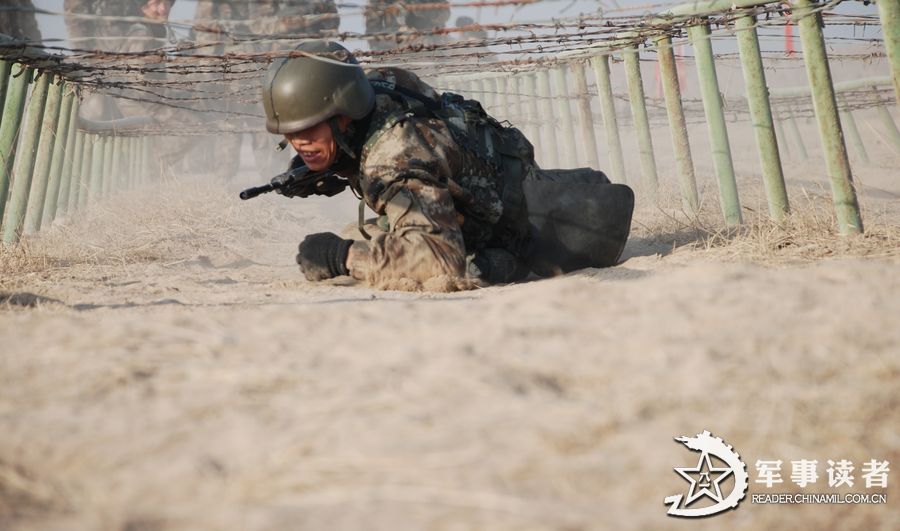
[761,115]
[890,127]
[567,123]
[84,179]
[600,66]
[61,142]
[41,177]
[677,125]
[533,112]
[549,118]
[73,147]
[586,117]
[889,12]
[715,120]
[848,123]
[13,112]
[830,134]
[641,121]
[23,168]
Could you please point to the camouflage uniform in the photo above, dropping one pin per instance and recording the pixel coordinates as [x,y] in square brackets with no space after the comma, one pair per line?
[294,17]
[92,33]
[82,31]
[20,25]
[441,200]
[390,16]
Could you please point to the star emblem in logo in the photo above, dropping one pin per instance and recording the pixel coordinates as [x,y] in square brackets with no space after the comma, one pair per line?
[704,472]
[706,479]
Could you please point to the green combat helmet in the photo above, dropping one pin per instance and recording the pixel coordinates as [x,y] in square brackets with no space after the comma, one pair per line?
[299,92]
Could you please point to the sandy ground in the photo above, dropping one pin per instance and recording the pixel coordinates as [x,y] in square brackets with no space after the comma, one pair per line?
[165,367]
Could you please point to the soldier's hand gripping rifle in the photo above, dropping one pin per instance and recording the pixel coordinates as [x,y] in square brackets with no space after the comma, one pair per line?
[300,181]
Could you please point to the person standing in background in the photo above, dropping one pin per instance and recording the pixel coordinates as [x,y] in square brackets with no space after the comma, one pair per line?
[285,21]
[390,17]
[17,21]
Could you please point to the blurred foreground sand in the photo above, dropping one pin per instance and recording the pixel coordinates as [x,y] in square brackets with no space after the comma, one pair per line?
[176,372]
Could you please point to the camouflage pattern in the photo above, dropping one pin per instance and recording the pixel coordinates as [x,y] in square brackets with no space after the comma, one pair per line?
[265,17]
[294,17]
[82,31]
[442,201]
[390,16]
[20,25]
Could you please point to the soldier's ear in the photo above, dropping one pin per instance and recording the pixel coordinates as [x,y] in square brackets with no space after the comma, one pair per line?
[343,122]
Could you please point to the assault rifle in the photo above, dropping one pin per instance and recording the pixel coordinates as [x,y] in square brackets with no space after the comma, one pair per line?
[300,181]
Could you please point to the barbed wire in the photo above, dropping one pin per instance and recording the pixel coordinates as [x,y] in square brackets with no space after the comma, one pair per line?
[220,77]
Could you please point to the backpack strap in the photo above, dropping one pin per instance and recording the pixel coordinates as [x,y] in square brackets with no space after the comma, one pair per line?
[412,100]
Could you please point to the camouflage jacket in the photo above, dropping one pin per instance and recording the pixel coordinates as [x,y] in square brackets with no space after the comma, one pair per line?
[442,201]
[387,17]
[264,17]
[20,25]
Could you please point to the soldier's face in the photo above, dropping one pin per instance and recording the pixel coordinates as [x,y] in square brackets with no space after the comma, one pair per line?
[316,145]
[157,9]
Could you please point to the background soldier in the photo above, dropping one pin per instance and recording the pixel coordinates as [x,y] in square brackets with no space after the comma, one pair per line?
[216,20]
[17,21]
[390,17]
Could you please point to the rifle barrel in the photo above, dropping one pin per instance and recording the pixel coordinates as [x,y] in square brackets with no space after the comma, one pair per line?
[250,193]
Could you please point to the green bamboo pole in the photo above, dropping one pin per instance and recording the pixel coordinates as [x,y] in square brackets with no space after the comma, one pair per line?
[71,163]
[890,126]
[84,179]
[889,11]
[23,168]
[600,64]
[48,209]
[546,103]
[41,176]
[779,126]
[146,170]
[518,103]
[798,138]
[125,171]
[501,86]
[761,116]
[561,88]
[116,172]
[534,132]
[681,145]
[105,182]
[135,161]
[848,122]
[13,110]
[56,203]
[586,117]
[488,98]
[5,72]
[95,188]
[830,134]
[639,116]
[715,119]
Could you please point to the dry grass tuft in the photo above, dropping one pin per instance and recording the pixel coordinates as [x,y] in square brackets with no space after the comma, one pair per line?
[810,232]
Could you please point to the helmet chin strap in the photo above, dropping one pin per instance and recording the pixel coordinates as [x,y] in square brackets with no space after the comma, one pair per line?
[340,138]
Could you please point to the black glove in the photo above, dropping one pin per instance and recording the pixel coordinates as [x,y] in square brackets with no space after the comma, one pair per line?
[323,255]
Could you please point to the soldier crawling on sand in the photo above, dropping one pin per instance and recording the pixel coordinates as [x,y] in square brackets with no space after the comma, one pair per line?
[459,196]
